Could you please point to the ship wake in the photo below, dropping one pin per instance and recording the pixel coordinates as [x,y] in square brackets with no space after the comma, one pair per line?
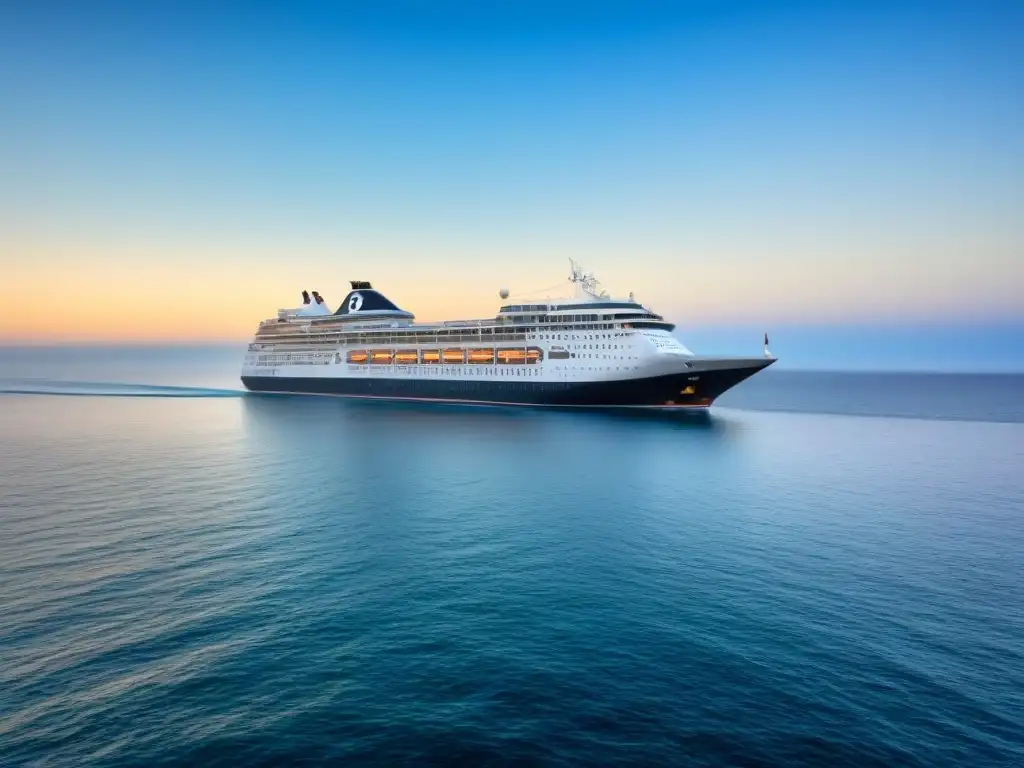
[107,389]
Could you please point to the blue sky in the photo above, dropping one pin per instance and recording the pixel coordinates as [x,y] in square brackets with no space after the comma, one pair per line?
[763,164]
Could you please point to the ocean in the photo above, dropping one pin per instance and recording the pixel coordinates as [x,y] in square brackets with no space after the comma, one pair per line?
[826,570]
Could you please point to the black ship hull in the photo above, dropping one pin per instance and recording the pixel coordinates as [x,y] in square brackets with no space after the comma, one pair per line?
[691,389]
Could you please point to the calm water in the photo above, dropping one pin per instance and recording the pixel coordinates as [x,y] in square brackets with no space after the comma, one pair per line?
[188,575]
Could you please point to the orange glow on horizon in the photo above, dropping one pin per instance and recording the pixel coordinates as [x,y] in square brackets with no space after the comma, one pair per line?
[213,296]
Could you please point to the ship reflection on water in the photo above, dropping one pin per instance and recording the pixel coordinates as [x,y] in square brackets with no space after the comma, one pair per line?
[400,421]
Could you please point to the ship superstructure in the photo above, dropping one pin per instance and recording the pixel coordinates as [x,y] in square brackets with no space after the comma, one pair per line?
[587,351]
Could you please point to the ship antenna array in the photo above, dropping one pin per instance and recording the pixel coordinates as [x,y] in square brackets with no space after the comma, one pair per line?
[577,276]
[586,280]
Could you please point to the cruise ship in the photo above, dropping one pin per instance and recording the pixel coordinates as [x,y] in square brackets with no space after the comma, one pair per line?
[587,351]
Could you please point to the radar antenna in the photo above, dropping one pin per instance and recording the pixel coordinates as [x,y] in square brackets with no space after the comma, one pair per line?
[586,282]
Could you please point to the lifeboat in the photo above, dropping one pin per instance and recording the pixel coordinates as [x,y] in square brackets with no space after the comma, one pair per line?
[512,356]
[454,356]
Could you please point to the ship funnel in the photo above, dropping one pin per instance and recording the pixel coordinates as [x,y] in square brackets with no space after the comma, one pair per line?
[305,297]
[364,301]
[321,305]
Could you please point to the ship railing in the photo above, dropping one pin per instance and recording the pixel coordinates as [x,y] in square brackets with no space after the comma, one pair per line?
[272,331]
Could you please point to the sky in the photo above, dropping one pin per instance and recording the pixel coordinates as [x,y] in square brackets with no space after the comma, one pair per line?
[178,171]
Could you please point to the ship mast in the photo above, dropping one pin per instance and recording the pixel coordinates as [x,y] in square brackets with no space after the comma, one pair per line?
[587,285]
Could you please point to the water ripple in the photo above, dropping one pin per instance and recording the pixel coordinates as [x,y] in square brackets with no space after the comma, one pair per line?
[249,580]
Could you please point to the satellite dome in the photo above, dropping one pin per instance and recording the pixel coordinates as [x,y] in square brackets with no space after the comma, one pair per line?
[503,293]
